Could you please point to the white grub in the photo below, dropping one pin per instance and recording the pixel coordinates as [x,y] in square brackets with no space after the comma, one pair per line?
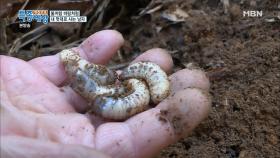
[122,107]
[155,77]
[99,73]
[97,84]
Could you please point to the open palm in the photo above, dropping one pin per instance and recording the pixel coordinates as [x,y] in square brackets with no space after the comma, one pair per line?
[41,118]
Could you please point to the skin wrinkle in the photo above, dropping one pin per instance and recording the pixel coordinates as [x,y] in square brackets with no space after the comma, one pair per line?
[37,129]
[24,80]
[9,98]
[135,150]
[14,99]
[16,80]
[20,129]
[24,103]
[16,146]
[38,103]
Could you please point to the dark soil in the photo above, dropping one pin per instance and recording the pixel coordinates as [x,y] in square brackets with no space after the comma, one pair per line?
[241,57]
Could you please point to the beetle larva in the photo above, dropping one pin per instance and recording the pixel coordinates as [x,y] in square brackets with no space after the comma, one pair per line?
[98,84]
[155,77]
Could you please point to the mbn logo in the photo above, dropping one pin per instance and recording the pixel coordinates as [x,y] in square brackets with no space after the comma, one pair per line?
[252,13]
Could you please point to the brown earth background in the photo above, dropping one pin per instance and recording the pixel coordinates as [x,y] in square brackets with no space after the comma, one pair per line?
[240,55]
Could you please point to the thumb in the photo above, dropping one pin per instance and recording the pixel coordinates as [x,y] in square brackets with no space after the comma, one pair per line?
[15,146]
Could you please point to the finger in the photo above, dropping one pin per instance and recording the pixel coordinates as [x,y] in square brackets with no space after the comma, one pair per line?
[187,78]
[98,48]
[147,133]
[158,56]
[15,146]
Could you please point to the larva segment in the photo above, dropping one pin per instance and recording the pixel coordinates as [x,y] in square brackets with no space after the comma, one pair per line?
[122,107]
[155,77]
[90,89]
[99,73]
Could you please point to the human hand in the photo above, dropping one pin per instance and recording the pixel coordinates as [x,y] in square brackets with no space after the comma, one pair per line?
[39,118]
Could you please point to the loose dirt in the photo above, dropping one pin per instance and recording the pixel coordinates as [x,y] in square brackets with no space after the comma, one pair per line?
[241,56]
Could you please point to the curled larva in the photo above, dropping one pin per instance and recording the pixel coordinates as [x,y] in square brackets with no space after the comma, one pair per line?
[122,107]
[109,98]
[72,61]
[155,77]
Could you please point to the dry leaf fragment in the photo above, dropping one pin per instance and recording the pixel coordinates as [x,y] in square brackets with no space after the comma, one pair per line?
[178,15]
